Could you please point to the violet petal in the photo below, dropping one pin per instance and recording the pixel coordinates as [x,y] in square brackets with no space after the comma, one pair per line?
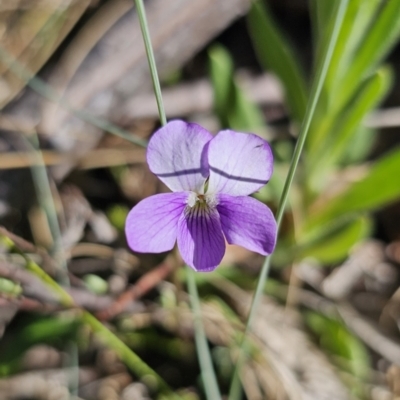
[151,226]
[240,163]
[248,223]
[177,155]
[200,239]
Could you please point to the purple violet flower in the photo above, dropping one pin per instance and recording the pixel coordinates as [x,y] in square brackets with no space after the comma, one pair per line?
[211,178]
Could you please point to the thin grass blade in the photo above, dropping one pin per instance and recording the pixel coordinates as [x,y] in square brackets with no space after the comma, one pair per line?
[150,59]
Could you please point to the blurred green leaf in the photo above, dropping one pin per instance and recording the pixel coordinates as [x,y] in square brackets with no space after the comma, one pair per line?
[49,329]
[274,53]
[221,72]
[362,46]
[283,150]
[232,106]
[372,92]
[173,78]
[379,40]
[358,18]
[321,12]
[95,284]
[151,340]
[223,362]
[34,330]
[271,192]
[9,287]
[334,246]
[339,342]
[334,145]
[378,188]
[117,215]
[359,146]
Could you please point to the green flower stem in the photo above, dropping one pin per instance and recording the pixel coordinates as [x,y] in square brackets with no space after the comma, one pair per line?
[207,370]
[46,91]
[203,350]
[235,390]
[150,58]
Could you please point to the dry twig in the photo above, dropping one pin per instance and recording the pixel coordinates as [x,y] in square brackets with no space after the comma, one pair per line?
[141,287]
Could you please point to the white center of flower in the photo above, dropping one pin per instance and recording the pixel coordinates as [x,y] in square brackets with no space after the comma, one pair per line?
[201,201]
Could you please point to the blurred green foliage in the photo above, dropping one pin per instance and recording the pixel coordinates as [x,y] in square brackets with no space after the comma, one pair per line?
[231,104]
[33,330]
[275,54]
[346,349]
[95,284]
[10,288]
[117,215]
[330,212]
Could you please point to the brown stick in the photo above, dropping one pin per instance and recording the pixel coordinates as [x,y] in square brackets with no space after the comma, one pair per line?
[142,286]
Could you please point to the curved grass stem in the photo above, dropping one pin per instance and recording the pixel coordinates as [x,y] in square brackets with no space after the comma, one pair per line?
[150,58]
[235,392]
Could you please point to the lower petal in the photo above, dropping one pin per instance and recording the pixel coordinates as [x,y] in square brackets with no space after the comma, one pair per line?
[248,223]
[151,226]
[200,239]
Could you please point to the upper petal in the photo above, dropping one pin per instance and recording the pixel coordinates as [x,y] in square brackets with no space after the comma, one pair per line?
[240,163]
[177,154]
[151,226]
[200,239]
[247,222]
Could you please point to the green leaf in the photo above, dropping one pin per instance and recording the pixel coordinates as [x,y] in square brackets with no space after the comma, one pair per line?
[340,343]
[359,146]
[95,284]
[33,330]
[358,18]
[50,329]
[372,92]
[117,214]
[271,192]
[335,246]
[334,145]
[221,71]
[321,12]
[274,53]
[231,104]
[10,288]
[379,40]
[380,187]
[365,39]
